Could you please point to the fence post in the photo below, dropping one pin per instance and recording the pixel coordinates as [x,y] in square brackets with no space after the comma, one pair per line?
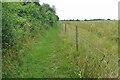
[65,27]
[77,38]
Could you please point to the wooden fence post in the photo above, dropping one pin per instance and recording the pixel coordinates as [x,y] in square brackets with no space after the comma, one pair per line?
[65,27]
[77,38]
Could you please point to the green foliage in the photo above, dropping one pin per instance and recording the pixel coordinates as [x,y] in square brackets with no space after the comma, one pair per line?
[21,23]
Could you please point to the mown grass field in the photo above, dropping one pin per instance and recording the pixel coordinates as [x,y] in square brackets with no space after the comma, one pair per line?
[54,55]
[98,47]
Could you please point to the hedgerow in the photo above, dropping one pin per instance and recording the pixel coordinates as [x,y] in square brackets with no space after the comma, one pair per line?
[21,24]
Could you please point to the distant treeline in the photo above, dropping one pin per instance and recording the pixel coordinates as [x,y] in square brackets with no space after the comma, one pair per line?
[85,20]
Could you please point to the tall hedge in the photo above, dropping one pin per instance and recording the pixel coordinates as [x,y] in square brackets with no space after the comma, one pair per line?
[22,21]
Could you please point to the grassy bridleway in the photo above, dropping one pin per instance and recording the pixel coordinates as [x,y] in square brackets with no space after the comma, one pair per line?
[48,58]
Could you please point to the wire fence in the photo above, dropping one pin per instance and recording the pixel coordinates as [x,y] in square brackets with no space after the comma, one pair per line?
[108,60]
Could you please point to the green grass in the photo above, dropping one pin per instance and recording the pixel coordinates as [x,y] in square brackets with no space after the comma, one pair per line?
[96,39]
[48,58]
[54,55]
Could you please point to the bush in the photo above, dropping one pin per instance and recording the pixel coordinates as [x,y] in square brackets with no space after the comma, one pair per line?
[22,22]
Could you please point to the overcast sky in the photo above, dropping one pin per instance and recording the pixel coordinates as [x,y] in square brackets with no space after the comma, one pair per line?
[85,9]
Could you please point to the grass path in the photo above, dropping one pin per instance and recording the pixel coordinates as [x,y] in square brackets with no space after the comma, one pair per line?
[55,56]
[47,58]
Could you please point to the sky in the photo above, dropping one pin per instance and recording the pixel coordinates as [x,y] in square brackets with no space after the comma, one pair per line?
[85,9]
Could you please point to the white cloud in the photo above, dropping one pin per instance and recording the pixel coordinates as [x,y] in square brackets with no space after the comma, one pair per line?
[85,9]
